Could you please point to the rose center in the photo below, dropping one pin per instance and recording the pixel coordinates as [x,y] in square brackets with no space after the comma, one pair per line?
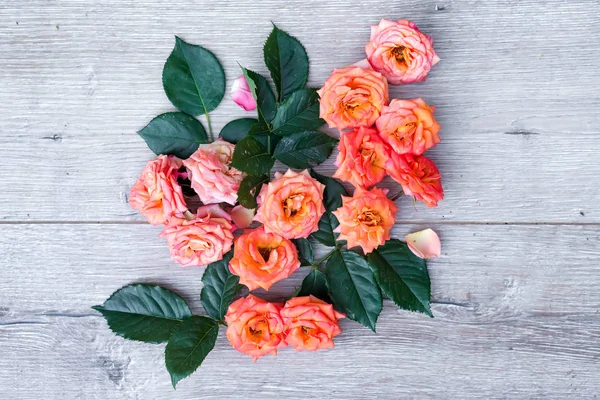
[370,218]
[402,131]
[292,205]
[265,252]
[399,53]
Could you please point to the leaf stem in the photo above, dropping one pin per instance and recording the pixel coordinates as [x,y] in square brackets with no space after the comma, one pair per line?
[316,264]
[210,131]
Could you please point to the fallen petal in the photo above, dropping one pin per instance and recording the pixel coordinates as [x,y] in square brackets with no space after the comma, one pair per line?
[242,217]
[425,243]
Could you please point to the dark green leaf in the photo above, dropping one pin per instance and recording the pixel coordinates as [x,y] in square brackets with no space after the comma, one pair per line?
[249,190]
[220,286]
[252,157]
[325,234]
[147,313]
[334,191]
[189,345]
[315,283]
[402,276]
[287,61]
[260,131]
[174,133]
[353,287]
[262,93]
[305,251]
[193,79]
[237,129]
[299,112]
[304,149]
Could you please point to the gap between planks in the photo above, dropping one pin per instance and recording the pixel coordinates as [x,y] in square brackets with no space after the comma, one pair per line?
[407,222]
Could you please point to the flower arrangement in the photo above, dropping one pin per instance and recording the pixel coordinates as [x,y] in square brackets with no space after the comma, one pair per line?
[253,230]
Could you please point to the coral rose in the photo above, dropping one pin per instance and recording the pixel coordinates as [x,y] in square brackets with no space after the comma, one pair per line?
[254,326]
[210,174]
[291,205]
[361,158]
[408,126]
[366,218]
[353,97]
[260,259]
[201,240]
[400,52]
[156,194]
[310,323]
[418,176]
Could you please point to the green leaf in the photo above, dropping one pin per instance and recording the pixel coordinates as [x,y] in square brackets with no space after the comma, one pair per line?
[402,276]
[299,112]
[252,157]
[189,345]
[305,251]
[353,287]
[261,132]
[263,95]
[332,198]
[325,234]
[237,129]
[304,149]
[315,283]
[287,62]
[249,190]
[147,313]
[193,78]
[220,286]
[174,133]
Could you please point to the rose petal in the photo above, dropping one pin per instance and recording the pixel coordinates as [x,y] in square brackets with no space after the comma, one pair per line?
[241,95]
[242,217]
[425,243]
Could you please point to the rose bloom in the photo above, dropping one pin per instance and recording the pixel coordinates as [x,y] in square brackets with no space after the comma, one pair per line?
[361,158]
[201,240]
[156,194]
[418,176]
[254,326]
[400,51]
[366,218]
[291,205]
[310,323]
[210,174]
[241,94]
[408,126]
[352,97]
[260,259]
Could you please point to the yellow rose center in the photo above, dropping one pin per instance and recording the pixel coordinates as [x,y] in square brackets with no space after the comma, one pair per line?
[400,53]
[292,205]
[402,131]
[370,218]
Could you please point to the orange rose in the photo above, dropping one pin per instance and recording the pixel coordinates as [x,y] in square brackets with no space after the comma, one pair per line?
[254,326]
[353,97]
[260,259]
[418,176]
[310,323]
[291,205]
[408,126]
[366,218]
[361,158]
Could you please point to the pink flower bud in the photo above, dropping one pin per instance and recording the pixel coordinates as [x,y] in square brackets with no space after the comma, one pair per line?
[241,95]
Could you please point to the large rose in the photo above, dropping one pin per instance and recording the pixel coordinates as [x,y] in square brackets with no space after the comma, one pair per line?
[156,194]
[400,51]
[366,218]
[408,126]
[201,240]
[291,205]
[418,176]
[353,97]
[212,178]
[361,158]
[260,259]
[254,326]
[310,323]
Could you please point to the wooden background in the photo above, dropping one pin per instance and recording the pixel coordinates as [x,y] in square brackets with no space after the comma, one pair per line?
[516,293]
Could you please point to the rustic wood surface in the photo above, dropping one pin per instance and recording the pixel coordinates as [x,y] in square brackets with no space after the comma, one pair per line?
[515,293]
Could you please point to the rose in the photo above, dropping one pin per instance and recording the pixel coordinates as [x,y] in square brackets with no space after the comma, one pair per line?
[400,51]
[201,240]
[361,158]
[291,205]
[241,94]
[418,176]
[254,326]
[210,174]
[352,97]
[408,126]
[310,323]
[156,194]
[260,258]
[366,218]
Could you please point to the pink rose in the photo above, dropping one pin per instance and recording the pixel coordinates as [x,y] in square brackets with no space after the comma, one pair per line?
[400,52]
[419,177]
[156,194]
[212,178]
[241,94]
[201,240]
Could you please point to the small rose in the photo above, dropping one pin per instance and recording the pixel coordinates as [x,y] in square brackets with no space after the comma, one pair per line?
[241,94]
[419,177]
[425,243]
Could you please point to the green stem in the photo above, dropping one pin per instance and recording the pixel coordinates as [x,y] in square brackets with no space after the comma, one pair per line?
[316,265]
[210,131]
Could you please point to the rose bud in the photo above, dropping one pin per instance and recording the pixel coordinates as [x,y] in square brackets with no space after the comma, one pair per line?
[241,94]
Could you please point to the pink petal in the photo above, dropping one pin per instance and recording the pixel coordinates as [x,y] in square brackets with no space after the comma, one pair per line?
[241,95]
[425,244]
[242,217]
[364,64]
